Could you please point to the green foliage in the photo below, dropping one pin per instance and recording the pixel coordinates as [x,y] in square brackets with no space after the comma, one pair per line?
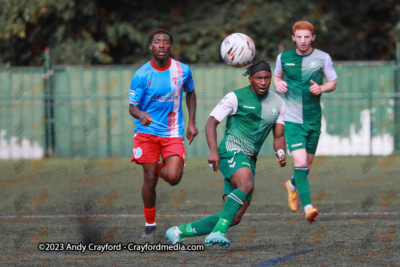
[115,32]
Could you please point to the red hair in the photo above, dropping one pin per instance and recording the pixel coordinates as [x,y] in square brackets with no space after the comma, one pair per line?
[303,25]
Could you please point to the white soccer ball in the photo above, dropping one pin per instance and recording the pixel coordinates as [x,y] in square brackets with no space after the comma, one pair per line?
[238,49]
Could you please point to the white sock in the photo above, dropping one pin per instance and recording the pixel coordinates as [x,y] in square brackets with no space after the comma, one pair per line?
[292,187]
[150,224]
[306,208]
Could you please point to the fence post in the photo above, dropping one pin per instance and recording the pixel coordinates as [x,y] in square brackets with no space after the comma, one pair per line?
[49,105]
[397,99]
[46,102]
[108,121]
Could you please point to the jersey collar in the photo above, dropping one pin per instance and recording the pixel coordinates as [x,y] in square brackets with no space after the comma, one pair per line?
[304,55]
[160,69]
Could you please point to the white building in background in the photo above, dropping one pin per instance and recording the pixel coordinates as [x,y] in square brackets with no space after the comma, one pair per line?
[10,148]
[358,143]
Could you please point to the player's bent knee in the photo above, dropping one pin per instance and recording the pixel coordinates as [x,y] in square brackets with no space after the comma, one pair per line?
[174,178]
[174,181]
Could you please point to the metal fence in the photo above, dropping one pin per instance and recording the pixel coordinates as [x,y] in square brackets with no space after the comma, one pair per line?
[82,111]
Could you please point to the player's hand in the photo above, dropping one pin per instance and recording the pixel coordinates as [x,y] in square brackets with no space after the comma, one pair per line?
[191,132]
[213,160]
[282,160]
[315,88]
[281,87]
[145,119]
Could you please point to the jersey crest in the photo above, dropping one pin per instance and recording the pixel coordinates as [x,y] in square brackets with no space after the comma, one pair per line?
[177,81]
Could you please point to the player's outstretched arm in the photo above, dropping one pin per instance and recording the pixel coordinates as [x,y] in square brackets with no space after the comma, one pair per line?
[191,103]
[280,84]
[280,143]
[211,135]
[145,118]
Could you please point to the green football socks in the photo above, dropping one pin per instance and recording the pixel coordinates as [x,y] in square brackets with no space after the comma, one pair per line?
[232,205]
[301,183]
[201,227]
[216,222]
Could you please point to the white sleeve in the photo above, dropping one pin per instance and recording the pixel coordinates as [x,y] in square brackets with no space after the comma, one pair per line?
[329,70]
[278,67]
[226,107]
[282,114]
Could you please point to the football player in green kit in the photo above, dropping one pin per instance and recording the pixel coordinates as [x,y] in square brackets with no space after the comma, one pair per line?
[251,112]
[298,74]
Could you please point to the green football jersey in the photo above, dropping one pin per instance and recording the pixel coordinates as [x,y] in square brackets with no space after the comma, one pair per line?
[250,119]
[304,107]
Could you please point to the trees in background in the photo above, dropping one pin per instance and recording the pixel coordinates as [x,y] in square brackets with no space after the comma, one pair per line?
[116,31]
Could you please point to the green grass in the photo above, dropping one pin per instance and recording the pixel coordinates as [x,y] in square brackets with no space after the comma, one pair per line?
[356,226]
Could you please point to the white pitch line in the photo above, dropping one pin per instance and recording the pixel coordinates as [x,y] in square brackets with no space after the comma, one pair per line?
[192,215]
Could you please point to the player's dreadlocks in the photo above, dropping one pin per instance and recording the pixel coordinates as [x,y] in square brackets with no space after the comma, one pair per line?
[260,65]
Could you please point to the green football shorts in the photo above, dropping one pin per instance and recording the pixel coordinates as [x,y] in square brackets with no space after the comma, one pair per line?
[230,161]
[301,136]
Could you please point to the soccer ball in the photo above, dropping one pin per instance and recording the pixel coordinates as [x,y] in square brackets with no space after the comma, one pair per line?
[238,49]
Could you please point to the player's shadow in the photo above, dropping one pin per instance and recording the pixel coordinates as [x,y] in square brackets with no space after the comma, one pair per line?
[91,233]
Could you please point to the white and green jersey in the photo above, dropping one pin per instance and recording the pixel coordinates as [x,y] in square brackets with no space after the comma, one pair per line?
[250,119]
[304,107]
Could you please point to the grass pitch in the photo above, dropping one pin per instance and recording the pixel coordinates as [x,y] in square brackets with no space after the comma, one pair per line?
[99,201]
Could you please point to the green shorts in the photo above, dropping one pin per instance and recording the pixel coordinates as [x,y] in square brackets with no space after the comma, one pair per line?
[301,136]
[230,161]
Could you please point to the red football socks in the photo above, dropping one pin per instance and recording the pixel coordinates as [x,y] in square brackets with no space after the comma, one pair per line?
[150,215]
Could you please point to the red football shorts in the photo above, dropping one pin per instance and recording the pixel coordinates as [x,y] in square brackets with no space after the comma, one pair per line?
[147,148]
